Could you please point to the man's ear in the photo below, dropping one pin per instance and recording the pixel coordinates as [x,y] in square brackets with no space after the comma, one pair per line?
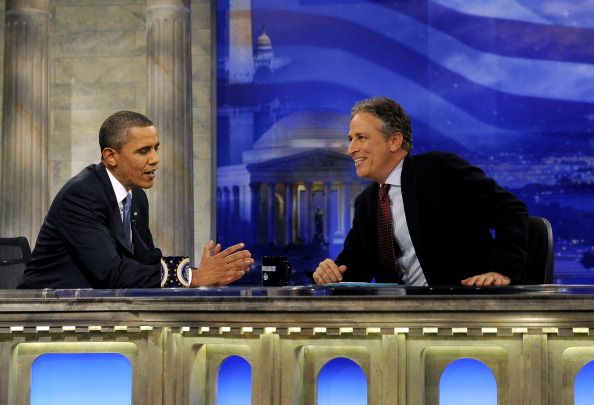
[396,141]
[109,156]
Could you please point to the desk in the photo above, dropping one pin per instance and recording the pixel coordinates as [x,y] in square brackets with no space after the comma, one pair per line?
[535,339]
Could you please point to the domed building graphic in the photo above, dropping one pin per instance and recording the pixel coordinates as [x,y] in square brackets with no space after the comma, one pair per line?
[284,179]
[295,186]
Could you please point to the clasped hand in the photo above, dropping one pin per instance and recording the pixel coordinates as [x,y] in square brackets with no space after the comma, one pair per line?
[220,267]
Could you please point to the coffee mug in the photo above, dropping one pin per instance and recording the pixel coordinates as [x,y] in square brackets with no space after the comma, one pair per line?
[175,271]
[276,271]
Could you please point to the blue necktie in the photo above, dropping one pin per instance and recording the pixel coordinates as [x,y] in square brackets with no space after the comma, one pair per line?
[127,204]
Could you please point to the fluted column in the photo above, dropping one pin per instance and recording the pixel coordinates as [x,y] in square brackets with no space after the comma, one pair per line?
[271,213]
[255,211]
[170,108]
[328,232]
[346,206]
[225,213]
[24,138]
[307,221]
[289,213]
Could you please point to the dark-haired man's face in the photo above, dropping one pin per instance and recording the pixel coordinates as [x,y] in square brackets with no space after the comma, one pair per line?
[135,164]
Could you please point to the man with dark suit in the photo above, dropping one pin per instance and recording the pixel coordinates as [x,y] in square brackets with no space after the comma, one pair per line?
[444,212]
[88,240]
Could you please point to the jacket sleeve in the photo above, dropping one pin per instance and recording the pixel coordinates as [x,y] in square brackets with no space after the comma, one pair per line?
[355,255]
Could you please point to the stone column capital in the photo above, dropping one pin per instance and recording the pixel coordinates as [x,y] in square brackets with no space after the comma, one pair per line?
[30,6]
[167,7]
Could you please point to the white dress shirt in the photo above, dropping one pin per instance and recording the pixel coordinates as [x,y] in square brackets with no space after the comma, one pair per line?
[408,262]
[120,192]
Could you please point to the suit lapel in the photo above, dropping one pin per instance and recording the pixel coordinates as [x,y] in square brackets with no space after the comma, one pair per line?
[115,220]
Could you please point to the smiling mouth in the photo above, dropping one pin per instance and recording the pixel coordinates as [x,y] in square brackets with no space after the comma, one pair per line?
[358,161]
[151,173]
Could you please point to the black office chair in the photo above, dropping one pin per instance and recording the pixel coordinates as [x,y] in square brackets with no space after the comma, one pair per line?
[539,267]
[15,253]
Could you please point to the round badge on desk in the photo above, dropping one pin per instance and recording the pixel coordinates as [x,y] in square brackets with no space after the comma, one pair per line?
[183,272]
[164,273]
[175,271]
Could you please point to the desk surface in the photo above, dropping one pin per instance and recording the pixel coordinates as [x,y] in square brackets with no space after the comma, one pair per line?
[329,290]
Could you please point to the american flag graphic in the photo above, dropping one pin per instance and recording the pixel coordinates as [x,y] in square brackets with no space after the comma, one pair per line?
[509,84]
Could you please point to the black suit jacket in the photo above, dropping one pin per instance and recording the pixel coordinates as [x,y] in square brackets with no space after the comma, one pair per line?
[451,209]
[81,243]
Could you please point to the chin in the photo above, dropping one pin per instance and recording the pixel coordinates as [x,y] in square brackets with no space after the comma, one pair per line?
[361,173]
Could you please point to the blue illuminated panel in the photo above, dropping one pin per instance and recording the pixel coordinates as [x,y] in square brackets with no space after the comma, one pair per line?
[465,380]
[584,389]
[235,382]
[81,378]
[341,381]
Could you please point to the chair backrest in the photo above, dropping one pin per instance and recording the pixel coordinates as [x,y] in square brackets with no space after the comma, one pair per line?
[15,253]
[539,267]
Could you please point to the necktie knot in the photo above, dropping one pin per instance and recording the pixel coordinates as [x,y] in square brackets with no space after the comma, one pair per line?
[384,190]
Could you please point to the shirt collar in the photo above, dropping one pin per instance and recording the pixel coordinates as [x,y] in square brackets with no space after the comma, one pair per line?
[394,176]
[118,189]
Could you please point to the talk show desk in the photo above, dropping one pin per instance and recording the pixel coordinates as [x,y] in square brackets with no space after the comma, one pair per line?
[534,339]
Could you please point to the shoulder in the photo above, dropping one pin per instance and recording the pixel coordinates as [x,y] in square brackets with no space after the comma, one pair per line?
[85,188]
[436,164]
[85,181]
[434,159]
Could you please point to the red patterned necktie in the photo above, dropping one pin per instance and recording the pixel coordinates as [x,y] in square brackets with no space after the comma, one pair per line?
[385,231]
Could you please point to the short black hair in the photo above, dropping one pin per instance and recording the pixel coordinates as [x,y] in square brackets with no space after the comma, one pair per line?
[115,129]
[393,117]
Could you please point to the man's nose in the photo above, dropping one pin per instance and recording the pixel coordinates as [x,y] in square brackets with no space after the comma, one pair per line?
[154,159]
[351,148]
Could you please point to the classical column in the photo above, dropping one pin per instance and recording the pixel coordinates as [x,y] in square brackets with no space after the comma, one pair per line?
[271,213]
[307,221]
[289,213]
[24,138]
[243,214]
[346,206]
[254,220]
[328,233]
[235,216]
[169,105]
[225,213]
[220,206]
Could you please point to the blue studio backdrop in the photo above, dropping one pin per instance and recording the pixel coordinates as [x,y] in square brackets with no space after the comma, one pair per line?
[507,84]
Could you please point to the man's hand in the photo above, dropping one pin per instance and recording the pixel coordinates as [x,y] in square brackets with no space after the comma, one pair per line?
[221,267]
[328,272]
[486,280]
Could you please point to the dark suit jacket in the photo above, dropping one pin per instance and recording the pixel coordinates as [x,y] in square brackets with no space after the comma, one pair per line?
[81,243]
[451,208]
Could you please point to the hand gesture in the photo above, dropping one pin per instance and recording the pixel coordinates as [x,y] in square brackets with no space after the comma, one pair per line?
[221,267]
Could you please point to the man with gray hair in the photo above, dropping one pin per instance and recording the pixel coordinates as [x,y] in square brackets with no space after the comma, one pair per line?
[427,219]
